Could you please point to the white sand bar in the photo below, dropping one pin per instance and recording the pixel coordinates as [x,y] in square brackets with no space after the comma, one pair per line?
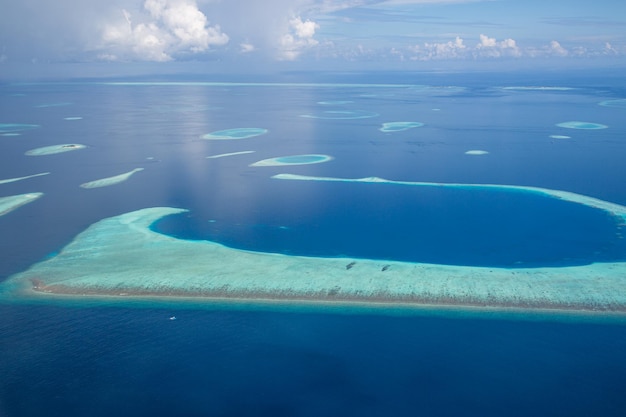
[8,204]
[476,152]
[105,182]
[560,137]
[120,257]
[22,178]
[222,155]
[50,150]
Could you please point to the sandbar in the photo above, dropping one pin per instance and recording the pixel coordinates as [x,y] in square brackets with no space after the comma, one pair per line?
[222,155]
[8,180]
[105,182]
[293,160]
[10,203]
[560,137]
[122,256]
[54,149]
[476,152]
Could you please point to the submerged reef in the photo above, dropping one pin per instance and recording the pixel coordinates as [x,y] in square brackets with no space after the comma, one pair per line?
[399,126]
[105,182]
[8,180]
[620,103]
[293,160]
[582,125]
[232,134]
[15,127]
[10,203]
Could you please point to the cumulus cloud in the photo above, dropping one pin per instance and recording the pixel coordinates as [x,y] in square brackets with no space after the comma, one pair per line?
[445,50]
[609,50]
[554,49]
[557,49]
[298,38]
[490,47]
[167,28]
[246,47]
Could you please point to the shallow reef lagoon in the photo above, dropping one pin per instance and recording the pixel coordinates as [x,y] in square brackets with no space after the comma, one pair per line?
[364,176]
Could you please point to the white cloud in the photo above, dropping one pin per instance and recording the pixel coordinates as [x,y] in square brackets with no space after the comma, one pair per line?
[446,50]
[557,50]
[458,49]
[298,38]
[554,49]
[172,27]
[490,47]
[609,50]
[409,2]
[246,47]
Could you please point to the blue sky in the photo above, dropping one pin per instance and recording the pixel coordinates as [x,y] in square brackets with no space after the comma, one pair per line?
[315,33]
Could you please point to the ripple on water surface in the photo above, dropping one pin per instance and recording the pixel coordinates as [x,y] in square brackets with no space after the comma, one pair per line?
[335,102]
[341,114]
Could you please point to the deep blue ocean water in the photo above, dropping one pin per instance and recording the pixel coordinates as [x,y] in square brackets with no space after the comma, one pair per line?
[103,361]
[75,359]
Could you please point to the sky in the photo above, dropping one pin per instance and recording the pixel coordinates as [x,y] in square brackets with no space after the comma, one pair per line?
[314,34]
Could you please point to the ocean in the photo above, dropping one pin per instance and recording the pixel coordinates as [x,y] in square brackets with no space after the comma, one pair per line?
[196,144]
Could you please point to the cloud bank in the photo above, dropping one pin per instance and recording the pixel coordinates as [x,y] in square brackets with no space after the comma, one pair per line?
[166,29]
[240,32]
[491,48]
